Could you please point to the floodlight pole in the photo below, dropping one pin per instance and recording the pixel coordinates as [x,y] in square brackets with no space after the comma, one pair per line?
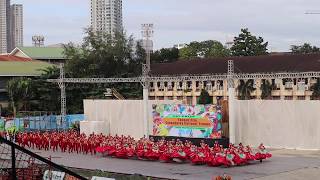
[147,33]
[231,95]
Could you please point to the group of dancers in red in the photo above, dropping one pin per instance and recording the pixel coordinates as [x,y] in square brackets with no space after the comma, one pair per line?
[144,149]
[69,141]
[178,151]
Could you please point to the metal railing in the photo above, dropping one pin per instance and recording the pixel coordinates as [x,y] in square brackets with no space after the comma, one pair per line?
[19,163]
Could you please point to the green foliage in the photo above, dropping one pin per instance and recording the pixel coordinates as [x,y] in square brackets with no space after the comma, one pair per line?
[316,89]
[306,48]
[266,88]
[19,93]
[102,56]
[204,98]
[46,96]
[245,89]
[165,55]
[98,56]
[204,49]
[247,44]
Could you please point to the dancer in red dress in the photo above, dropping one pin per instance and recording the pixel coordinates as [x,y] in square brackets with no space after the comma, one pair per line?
[262,153]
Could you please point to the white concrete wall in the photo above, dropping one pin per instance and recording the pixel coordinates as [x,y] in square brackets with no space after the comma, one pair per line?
[122,117]
[278,124]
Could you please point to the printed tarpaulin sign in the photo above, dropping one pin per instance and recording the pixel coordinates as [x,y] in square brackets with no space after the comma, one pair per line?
[53,175]
[198,121]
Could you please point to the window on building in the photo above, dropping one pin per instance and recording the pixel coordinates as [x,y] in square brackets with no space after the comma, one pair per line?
[301,98]
[275,97]
[288,98]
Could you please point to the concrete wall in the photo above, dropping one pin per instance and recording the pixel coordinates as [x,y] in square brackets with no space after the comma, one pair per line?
[279,124]
[122,117]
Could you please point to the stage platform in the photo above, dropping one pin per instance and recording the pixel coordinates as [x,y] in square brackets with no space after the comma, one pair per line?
[222,141]
[284,165]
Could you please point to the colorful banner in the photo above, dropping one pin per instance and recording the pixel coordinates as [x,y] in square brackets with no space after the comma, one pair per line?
[199,121]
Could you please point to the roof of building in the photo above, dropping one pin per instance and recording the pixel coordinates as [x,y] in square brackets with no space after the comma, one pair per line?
[22,68]
[256,64]
[13,58]
[41,53]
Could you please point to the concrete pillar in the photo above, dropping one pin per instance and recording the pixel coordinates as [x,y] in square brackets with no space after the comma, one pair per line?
[193,92]
[282,89]
[258,88]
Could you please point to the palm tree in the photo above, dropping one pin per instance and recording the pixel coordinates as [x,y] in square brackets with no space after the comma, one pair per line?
[19,93]
[245,89]
[316,89]
[266,88]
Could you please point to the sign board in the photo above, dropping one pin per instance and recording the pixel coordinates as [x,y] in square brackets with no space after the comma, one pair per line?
[101,178]
[199,121]
[53,175]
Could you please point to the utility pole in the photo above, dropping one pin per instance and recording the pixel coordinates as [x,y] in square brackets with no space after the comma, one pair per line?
[147,33]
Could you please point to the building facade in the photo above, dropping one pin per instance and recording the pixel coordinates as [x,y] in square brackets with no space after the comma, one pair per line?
[11,26]
[16,26]
[3,25]
[106,16]
[282,89]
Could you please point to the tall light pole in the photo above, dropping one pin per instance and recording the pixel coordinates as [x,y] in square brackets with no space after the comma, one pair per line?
[147,33]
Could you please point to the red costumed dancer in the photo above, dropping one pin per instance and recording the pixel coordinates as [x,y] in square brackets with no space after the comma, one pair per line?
[262,153]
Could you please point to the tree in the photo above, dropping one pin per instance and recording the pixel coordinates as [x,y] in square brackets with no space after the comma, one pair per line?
[46,96]
[266,88]
[204,49]
[316,89]
[245,89]
[204,97]
[306,48]
[101,55]
[165,55]
[248,45]
[19,93]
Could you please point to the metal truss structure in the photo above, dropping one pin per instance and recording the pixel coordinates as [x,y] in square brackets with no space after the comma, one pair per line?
[190,78]
[146,78]
[63,97]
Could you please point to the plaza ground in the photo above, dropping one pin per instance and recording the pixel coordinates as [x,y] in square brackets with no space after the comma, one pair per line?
[284,165]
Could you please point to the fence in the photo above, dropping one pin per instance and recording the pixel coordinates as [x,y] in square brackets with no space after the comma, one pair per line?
[18,163]
[41,123]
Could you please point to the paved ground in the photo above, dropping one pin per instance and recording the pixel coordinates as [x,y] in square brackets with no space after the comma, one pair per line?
[284,165]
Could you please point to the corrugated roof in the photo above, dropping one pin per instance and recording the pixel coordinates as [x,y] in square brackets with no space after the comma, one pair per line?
[43,52]
[13,58]
[20,68]
[257,64]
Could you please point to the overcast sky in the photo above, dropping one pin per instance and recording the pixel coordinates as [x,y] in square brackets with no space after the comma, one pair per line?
[281,22]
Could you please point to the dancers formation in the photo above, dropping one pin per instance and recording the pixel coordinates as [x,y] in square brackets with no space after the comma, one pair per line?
[126,147]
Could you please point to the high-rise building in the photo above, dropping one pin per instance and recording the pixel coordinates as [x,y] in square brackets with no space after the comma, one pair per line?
[106,15]
[16,26]
[4,24]
[11,26]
